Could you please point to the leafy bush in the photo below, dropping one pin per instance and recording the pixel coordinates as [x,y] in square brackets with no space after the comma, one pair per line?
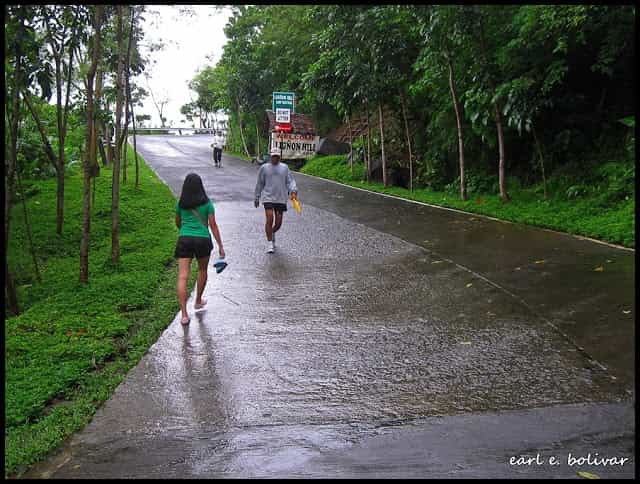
[334,168]
[478,183]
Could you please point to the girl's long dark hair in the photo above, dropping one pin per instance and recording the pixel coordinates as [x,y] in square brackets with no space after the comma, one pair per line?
[193,194]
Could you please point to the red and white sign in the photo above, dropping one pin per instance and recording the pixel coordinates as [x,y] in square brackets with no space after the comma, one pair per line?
[283,116]
[294,145]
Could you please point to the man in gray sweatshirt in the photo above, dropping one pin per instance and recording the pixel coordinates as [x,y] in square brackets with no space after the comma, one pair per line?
[274,184]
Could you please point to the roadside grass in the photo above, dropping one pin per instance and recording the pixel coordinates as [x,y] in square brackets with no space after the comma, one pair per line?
[72,345]
[588,216]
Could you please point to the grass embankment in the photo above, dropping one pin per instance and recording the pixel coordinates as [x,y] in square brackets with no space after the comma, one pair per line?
[73,344]
[590,216]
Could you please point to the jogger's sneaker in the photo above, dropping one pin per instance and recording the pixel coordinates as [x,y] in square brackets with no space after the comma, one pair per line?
[271,248]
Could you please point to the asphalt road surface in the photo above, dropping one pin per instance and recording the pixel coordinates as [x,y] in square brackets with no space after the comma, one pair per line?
[383,338]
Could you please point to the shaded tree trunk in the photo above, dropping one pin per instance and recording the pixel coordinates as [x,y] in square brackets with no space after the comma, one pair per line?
[43,135]
[135,148]
[28,228]
[129,100]
[124,149]
[63,131]
[86,213]
[10,289]
[384,160]
[406,127]
[368,143]
[501,164]
[61,136]
[244,144]
[498,117]
[257,140]
[456,107]
[93,146]
[61,114]
[350,143]
[99,128]
[115,189]
[539,148]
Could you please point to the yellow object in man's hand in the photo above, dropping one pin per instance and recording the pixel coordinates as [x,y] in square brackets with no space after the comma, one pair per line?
[296,204]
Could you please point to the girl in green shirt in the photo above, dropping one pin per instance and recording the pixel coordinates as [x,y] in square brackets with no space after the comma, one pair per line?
[193,211]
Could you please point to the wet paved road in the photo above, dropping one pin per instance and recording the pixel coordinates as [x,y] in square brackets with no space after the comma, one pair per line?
[383,339]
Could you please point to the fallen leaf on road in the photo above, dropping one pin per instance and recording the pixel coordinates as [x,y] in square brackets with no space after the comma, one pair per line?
[470,284]
[599,269]
[588,475]
[540,261]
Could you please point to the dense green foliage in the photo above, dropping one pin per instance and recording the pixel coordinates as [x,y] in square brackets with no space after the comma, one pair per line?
[563,75]
[605,212]
[73,344]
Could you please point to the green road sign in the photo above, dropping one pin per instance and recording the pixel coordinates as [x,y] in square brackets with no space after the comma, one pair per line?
[283,100]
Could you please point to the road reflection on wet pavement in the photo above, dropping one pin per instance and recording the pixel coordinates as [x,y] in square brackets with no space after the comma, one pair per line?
[351,352]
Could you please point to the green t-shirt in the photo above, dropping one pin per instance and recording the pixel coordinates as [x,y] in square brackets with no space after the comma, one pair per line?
[191,226]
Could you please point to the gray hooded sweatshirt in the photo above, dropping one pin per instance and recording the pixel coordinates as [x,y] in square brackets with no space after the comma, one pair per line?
[274,183]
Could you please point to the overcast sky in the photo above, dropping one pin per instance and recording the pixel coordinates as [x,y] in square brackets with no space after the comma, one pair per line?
[191,43]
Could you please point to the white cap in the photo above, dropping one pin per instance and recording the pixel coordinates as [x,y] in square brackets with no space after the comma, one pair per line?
[276,152]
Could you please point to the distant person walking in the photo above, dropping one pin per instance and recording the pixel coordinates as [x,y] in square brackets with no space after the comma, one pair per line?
[218,143]
[274,185]
[193,211]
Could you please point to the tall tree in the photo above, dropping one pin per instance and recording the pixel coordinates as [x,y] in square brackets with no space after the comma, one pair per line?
[21,67]
[63,26]
[115,190]
[444,33]
[490,31]
[95,48]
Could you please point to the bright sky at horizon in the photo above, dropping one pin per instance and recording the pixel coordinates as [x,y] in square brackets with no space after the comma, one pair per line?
[191,43]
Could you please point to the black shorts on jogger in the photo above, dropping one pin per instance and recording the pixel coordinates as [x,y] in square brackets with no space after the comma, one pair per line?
[278,207]
[189,247]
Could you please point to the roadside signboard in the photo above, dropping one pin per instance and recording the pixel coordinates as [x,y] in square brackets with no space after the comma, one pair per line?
[294,145]
[283,107]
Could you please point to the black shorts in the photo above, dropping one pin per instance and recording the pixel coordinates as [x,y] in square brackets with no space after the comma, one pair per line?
[189,247]
[278,207]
